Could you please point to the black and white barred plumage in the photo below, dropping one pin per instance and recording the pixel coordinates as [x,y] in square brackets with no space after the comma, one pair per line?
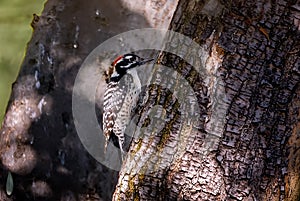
[121,96]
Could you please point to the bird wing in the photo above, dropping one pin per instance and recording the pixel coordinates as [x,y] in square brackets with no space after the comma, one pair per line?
[114,97]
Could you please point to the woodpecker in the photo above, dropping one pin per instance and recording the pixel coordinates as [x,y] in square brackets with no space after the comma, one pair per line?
[121,96]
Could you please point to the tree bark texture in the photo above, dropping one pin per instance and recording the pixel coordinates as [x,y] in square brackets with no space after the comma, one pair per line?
[253,46]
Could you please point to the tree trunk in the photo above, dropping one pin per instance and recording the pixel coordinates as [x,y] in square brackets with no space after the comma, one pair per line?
[253,48]
[224,128]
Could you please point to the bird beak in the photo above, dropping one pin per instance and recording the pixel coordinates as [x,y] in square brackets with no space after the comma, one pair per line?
[145,61]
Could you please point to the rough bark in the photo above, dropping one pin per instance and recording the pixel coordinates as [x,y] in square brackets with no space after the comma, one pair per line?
[254,47]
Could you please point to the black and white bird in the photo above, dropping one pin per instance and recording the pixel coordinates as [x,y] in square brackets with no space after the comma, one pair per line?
[121,96]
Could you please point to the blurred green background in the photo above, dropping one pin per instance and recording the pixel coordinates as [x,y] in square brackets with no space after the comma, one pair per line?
[15,33]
